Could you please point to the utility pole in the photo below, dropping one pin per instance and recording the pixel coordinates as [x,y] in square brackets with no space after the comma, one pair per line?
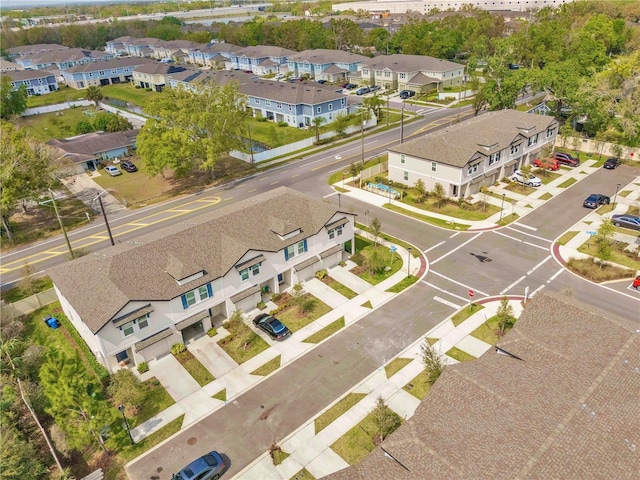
[55,208]
[104,214]
[402,124]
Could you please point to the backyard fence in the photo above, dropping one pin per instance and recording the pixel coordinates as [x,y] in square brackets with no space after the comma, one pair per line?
[29,304]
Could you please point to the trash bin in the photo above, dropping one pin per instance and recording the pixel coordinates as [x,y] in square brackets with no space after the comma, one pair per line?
[51,322]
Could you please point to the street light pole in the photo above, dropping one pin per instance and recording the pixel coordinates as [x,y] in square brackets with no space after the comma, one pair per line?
[402,124]
[409,263]
[121,408]
[502,206]
[104,214]
[362,133]
[615,197]
[64,232]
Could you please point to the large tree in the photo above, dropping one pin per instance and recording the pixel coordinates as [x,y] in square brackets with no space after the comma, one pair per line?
[94,94]
[189,129]
[12,102]
[24,170]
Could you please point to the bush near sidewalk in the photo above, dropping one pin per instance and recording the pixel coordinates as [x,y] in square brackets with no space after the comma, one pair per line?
[592,270]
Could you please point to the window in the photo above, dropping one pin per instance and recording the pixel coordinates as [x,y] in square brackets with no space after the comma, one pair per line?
[195,296]
[533,140]
[318,109]
[406,175]
[127,329]
[335,231]
[143,322]
[402,75]
[191,298]
[101,72]
[434,166]
[515,149]
[330,106]
[291,108]
[494,158]
[550,132]
[473,169]
[250,271]
[296,249]
[267,103]
[343,102]
[387,74]
[279,105]
[402,158]
[202,291]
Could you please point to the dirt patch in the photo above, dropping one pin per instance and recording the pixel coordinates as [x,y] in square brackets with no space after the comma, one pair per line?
[282,299]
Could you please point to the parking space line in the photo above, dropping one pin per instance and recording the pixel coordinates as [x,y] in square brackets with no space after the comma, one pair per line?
[507,236]
[458,283]
[513,285]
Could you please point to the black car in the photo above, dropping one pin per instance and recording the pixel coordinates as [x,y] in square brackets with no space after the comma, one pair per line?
[404,94]
[627,221]
[612,163]
[274,327]
[567,159]
[595,200]
[322,82]
[129,166]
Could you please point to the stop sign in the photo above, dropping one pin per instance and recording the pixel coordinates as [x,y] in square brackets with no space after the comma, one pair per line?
[471,293]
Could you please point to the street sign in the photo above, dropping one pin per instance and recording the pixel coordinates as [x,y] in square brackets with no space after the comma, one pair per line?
[393,249]
[591,233]
[471,293]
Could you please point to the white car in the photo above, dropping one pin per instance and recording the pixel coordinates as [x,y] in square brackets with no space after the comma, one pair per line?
[113,171]
[530,179]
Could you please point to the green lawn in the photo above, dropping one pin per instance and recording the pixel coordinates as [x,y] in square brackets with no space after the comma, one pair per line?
[221,395]
[395,366]
[465,313]
[546,176]
[269,367]
[335,412]
[489,331]
[567,183]
[450,208]
[303,475]
[128,93]
[392,260]
[337,176]
[295,319]
[325,332]
[419,386]
[459,355]
[47,126]
[242,343]
[192,365]
[129,452]
[22,291]
[427,219]
[402,284]
[618,253]
[273,135]
[65,94]
[597,272]
[415,253]
[520,188]
[156,399]
[566,236]
[545,196]
[507,219]
[339,287]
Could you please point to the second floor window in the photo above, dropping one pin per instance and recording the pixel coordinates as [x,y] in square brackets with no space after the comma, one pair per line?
[251,271]
[533,140]
[473,169]
[195,296]
[515,149]
[295,249]
[434,166]
[494,158]
[550,132]
[402,158]
[335,231]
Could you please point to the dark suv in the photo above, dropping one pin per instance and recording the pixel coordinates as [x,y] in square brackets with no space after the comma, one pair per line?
[612,163]
[567,159]
[595,200]
[404,94]
[129,166]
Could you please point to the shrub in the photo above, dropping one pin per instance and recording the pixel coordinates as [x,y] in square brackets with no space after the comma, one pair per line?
[178,348]
[275,297]
[357,258]
[283,124]
[143,367]
[320,274]
[212,332]
[261,305]
[262,119]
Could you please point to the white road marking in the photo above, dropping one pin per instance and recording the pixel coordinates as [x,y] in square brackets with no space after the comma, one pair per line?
[551,279]
[538,265]
[457,248]
[435,246]
[447,303]
[444,291]
[537,246]
[521,241]
[455,234]
[458,283]
[507,236]
[537,290]
[513,285]
[525,226]
[529,235]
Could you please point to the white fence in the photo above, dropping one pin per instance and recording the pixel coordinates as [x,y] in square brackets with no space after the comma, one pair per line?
[28,305]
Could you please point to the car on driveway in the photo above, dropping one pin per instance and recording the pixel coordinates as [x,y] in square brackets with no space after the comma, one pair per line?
[272,326]
[627,221]
[567,159]
[404,94]
[362,91]
[374,88]
[612,163]
[207,467]
[113,171]
[547,163]
[530,179]
[595,200]
[129,166]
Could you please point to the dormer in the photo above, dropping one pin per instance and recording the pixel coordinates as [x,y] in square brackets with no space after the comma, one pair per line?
[182,272]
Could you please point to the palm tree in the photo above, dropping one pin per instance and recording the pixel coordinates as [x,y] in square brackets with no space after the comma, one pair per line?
[94,94]
[317,123]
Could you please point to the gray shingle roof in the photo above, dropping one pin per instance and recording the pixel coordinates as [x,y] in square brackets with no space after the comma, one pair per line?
[488,133]
[64,55]
[220,77]
[40,47]
[212,243]
[28,74]
[295,93]
[410,63]
[569,409]
[324,55]
[95,142]
[159,68]
[109,64]
[260,51]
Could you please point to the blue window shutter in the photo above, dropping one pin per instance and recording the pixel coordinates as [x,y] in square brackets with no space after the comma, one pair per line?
[209,289]
[185,305]
[305,244]
[286,254]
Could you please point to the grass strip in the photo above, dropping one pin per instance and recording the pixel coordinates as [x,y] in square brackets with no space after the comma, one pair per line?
[221,395]
[269,367]
[419,386]
[339,287]
[459,355]
[415,252]
[192,365]
[337,410]
[303,475]
[567,183]
[545,196]
[402,284]
[325,332]
[465,313]
[592,270]
[507,219]
[489,331]
[156,399]
[129,452]
[618,253]
[438,222]
[395,366]
[295,319]
[242,343]
[565,237]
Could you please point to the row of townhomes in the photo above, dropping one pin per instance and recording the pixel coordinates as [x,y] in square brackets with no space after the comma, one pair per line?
[469,155]
[226,260]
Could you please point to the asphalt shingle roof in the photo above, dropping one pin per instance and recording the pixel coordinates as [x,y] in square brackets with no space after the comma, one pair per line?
[95,142]
[325,55]
[569,409]
[64,55]
[260,51]
[488,133]
[294,93]
[27,74]
[110,64]
[410,63]
[211,243]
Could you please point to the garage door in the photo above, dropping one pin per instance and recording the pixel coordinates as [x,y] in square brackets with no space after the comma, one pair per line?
[156,350]
[247,304]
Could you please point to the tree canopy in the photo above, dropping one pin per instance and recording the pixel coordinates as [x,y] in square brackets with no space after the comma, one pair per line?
[12,102]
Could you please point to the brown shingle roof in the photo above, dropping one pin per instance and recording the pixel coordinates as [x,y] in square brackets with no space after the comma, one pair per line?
[323,55]
[96,142]
[28,74]
[569,409]
[65,55]
[211,243]
[410,63]
[40,47]
[260,51]
[489,133]
[294,93]
[109,64]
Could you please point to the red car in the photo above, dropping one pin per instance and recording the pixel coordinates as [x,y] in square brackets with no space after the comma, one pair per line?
[636,283]
[548,163]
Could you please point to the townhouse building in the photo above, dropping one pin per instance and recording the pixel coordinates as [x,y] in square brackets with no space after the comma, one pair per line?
[325,64]
[215,55]
[154,75]
[105,72]
[7,66]
[37,82]
[260,59]
[28,50]
[174,50]
[475,153]
[197,274]
[61,59]
[118,46]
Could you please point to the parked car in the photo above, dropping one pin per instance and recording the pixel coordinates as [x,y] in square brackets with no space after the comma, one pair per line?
[374,88]
[274,327]
[113,171]
[612,163]
[595,200]
[207,467]
[636,283]
[404,94]
[351,86]
[548,163]
[129,166]
[322,82]
[530,179]
[344,85]
[627,221]
[566,159]
[362,90]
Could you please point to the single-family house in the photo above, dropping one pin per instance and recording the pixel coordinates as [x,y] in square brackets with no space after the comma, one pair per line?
[7,66]
[419,73]
[260,59]
[214,55]
[105,72]
[154,75]
[325,64]
[28,50]
[477,152]
[62,59]
[557,397]
[296,104]
[176,282]
[37,82]
[85,152]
